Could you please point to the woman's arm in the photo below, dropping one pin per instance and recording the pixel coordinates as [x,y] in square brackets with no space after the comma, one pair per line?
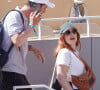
[62,77]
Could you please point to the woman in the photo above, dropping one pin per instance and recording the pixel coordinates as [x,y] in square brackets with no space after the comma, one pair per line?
[67,63]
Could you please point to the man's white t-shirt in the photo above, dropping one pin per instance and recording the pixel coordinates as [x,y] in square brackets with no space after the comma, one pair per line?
[13,24]
[66,57]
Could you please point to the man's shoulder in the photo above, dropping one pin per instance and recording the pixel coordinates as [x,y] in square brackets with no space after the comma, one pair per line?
[13,16]
[13,13]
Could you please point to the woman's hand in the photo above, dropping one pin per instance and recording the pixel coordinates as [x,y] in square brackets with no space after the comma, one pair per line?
[38,53]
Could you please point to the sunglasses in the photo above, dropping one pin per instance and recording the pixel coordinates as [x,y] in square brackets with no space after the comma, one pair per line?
[74,31]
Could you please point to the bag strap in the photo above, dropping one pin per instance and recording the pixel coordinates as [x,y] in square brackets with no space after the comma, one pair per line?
[87,67]
[13,10]
[80,58]
[3,22]
[53,74]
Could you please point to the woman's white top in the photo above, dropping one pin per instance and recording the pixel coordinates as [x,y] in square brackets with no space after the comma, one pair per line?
[66,57]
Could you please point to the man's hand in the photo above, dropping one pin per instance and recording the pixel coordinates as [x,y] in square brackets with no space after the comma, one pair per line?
[38,53]
[35,18]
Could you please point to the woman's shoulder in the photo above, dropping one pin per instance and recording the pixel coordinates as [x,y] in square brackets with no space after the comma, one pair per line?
[63,57]
[64,50]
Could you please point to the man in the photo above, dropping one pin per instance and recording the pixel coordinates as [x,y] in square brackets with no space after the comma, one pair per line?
[78,10]
[17,33]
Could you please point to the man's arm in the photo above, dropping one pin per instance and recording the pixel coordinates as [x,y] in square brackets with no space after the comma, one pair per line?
[19,38]
[37,52]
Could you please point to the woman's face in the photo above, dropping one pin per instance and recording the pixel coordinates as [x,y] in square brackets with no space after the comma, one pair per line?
[71,36]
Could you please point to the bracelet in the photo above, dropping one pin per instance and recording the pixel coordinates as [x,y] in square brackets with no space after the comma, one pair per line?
[34,29]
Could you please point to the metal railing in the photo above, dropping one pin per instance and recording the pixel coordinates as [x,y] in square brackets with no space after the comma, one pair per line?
[32,86]
[67,18]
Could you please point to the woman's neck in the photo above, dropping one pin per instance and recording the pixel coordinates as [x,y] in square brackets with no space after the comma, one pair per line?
[73,47]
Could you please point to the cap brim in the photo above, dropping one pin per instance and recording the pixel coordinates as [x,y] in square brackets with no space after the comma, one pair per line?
[51,5]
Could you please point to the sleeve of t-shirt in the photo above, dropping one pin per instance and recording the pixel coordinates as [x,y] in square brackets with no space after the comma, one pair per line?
[14,23]
[63,57]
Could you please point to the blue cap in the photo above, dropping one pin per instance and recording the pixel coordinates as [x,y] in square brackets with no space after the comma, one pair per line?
[65,27]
